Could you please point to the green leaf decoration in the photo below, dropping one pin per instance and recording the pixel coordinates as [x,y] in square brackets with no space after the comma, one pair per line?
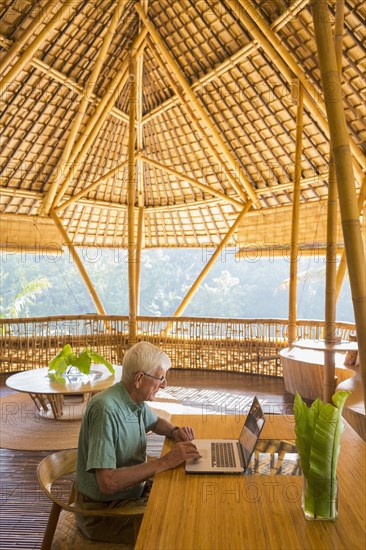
[83,362]
[318,433]
[96,358]
[66,358]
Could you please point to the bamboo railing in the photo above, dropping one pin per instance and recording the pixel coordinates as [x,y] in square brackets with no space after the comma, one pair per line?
[230,345]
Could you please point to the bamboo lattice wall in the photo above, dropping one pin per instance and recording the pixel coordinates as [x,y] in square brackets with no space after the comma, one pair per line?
[230,345]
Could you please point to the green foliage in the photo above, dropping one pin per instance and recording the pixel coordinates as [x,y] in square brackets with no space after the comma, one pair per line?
[232,288]
[318,431]
[18,301]
[67,358]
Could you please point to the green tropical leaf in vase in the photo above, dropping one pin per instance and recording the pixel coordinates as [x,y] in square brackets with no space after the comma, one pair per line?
[318,431]
[67,358]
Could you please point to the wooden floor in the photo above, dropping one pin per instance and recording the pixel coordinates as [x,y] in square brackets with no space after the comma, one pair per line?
[25,508]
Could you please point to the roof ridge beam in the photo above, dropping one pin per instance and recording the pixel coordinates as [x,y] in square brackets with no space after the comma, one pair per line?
[193,101]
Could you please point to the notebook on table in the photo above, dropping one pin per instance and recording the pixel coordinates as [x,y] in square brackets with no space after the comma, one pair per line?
[229,456]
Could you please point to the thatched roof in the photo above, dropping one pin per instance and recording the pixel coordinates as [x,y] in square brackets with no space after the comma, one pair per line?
[243,108]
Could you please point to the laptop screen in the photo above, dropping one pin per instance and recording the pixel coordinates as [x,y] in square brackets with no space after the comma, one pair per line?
[251,430]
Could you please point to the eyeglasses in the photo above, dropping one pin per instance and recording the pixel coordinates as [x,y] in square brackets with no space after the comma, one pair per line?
[161,379]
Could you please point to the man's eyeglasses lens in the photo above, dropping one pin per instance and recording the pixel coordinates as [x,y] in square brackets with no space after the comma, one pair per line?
[161,379]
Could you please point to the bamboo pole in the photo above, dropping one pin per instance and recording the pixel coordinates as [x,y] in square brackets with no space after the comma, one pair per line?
[184,177]
[27,34]
[345,178]
[192,291]
[79,264]
[131,245]
[295,218]
[48,32]
[289,67]
[330,284]
[97,120]
[342,266]
[139,246]
[330,379]
[89,89]
[139,166]
[187,96]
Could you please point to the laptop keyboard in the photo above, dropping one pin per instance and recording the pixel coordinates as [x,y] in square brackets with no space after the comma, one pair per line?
[222,455]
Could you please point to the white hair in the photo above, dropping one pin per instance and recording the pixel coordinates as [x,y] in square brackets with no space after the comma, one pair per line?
[144,357]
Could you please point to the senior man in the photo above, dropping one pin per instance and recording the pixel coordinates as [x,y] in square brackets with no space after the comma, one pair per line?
[112,466]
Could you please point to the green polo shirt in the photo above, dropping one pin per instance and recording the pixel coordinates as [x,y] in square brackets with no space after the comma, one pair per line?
[112,435]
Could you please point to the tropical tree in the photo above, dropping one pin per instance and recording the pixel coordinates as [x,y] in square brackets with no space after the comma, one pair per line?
[18,304]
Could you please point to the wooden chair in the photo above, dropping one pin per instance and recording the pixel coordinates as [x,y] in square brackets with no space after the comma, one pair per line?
[50,470]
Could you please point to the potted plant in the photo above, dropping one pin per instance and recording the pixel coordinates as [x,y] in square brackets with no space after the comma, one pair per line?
[318,431]
[66,362]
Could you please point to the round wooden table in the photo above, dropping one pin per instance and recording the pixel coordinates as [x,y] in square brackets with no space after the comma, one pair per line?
[63,400]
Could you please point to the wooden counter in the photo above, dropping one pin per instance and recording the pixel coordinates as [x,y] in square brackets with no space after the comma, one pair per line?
[236,512]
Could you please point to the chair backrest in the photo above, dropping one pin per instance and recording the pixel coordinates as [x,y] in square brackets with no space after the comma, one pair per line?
[53,467]
[62,463]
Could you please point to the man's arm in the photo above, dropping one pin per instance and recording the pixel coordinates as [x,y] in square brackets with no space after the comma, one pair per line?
[112,480]
[164,427]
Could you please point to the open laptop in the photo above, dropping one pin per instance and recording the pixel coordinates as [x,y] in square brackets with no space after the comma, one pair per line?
[229,456]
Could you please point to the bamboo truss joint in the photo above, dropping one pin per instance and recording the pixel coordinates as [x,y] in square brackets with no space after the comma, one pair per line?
[193,181]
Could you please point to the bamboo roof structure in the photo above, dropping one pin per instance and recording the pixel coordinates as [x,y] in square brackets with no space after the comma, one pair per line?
[215,120]
[184,123]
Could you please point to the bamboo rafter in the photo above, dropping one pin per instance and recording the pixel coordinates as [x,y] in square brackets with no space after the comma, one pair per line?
[224,150]
[233,60]
[47,32]
[50,195]
[290,68]
[96,121]
[64,79]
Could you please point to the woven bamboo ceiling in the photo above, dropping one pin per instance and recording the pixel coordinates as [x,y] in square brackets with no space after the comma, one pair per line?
[217,83]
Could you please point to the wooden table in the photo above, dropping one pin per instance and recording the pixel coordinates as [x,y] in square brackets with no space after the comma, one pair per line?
[63,401]
[320,345]
[221,512]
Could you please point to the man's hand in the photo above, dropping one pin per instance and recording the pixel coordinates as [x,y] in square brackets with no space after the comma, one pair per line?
[183,451]
[183,434]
